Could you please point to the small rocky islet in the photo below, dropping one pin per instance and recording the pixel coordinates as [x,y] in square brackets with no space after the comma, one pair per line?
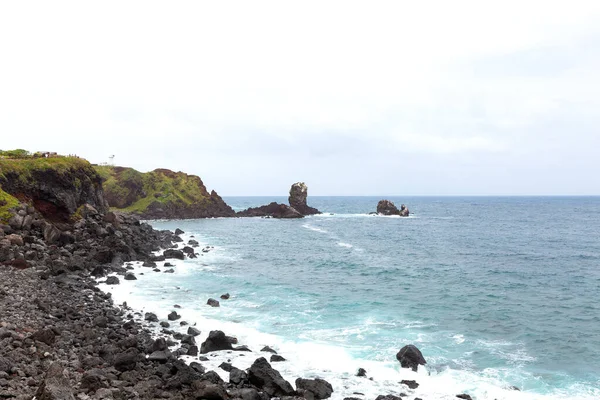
[61,337]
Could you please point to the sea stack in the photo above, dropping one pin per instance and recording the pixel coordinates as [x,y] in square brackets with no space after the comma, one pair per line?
[297,199]
[386,207]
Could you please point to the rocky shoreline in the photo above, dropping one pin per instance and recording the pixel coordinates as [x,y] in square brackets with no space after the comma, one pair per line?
[61,337]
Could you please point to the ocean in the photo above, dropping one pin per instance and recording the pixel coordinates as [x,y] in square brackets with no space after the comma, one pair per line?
[497,292]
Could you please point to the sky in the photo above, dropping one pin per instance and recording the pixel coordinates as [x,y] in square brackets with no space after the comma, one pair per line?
[353,98]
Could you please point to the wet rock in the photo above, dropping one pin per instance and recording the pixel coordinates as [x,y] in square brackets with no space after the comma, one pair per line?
[150,317]
[193,331]
[129,276]
[388,397]
[209,391]
[271,210]
[361,372]
[213,377]
[215,341]
[232,339]
[188,339]
[225,366]
[410,357]
[198,367]
[172,253]
[264,377]
[112,280]
[225,296]
[213,303]
[319,388]
[192,351]
[161,356]
[242,348]
[464,396]
[237,376]
[173,316]
[410,384]
[159,344]
[179,231]
[268,350]
[277,358]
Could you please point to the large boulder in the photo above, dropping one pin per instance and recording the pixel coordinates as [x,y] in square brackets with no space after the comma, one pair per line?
[264,377]
[297,199]
[172,253]
[271,210]
[56,385]
[386,207]
[410,357]
[215,341]
[319,388]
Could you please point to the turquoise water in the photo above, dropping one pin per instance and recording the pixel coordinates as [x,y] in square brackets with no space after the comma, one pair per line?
[498,290]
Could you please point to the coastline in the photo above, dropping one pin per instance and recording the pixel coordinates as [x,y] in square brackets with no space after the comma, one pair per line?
[93,334]
[383,378]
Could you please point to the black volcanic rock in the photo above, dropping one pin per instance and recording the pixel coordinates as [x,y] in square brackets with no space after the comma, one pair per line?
[263,376]
[297,199]
[215,341]
[386,207]
[271,210]
[410,357]
[319,388]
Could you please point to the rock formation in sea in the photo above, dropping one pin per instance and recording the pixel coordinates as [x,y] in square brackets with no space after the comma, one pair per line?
[297,208]
[161,194]
[297,199]
[273,210]
[386,207]
[410,357]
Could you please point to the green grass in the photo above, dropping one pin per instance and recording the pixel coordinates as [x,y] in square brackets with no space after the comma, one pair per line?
[24,173]
[135,191]
[24,167]
[6,203]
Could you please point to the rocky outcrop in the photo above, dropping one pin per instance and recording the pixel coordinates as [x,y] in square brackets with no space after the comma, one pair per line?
[215,341]
[273,210]
[263,376]
[91,244]
[56,189]
[386,207]
[410,357]
[297,199]
[318,388]
[161,194]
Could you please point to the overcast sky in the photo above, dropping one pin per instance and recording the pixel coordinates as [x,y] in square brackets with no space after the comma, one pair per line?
[370,98]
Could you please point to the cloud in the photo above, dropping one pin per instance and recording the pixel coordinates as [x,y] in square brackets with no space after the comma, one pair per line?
[324,92]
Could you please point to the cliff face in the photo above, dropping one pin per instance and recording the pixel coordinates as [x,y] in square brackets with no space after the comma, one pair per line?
[55,187]
[161,193]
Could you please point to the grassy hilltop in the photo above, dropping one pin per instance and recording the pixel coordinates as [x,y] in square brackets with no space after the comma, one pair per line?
[161,193]
[56,186]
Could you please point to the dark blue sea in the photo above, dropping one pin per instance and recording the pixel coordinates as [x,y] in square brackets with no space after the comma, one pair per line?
[496,292]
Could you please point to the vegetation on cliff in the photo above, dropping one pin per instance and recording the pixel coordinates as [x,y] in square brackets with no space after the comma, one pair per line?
[161,193]
[55,186]
[7,203]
